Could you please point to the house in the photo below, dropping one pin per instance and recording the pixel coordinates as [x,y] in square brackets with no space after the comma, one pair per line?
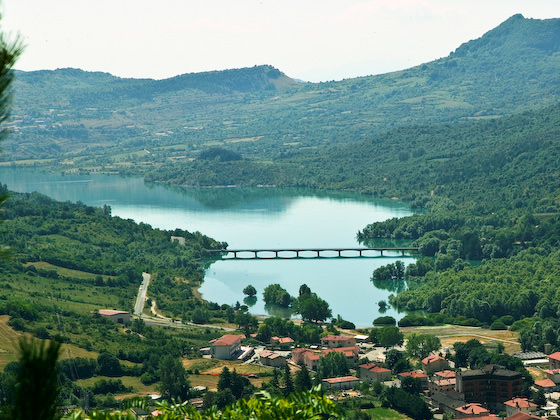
[491,386]
[547,385]
[370,372]
[553,375]
[520,405]
[121,317]
[444,374]
[447,402]
[226,347]
[351,353]
[416,374]
[442,385]
[471,410]
[273,359]
[434,363]
[281,340]
[310,358]
[344,382]
[554,361]
[524,416]
[332,341]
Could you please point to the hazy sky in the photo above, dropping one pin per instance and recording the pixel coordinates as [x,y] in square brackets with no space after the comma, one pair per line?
[313,40]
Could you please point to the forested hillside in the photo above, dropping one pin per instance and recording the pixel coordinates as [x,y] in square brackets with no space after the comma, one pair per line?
[97,121]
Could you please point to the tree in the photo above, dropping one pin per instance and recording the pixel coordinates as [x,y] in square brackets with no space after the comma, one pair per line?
[108,365]
[250,291]
[333,364]
[173,376]
[392,357]
[390,337]
[303,380]
[411,385]
[247,322]
[288,381]
[422,345]
[224,381]
[37,379]
[274,294]
[313,308]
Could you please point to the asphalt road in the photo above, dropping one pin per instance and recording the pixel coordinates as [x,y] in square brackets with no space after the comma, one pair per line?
[141,299]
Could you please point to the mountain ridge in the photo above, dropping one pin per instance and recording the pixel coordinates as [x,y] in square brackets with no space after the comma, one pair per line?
[259,111]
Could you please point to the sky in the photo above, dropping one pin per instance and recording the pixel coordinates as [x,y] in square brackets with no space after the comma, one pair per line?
[312,40]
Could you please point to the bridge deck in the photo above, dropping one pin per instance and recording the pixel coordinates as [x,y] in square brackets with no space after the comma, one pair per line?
[308,253]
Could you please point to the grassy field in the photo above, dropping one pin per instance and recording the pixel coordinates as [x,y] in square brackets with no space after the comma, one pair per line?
[380,413]
[216,366]
[67,272]
[8,343]
[130,381]
[449,334]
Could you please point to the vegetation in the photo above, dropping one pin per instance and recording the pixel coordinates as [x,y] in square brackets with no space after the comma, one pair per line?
[262,114]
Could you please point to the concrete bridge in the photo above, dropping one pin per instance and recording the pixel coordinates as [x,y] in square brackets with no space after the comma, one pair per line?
[309,253]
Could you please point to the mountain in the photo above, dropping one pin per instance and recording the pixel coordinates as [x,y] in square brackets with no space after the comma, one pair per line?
[98,121]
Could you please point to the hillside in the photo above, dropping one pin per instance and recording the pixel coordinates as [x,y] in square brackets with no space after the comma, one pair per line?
[479,166]
[97,121]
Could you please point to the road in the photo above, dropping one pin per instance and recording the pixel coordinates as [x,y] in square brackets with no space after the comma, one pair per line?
[142,291]
[166,322]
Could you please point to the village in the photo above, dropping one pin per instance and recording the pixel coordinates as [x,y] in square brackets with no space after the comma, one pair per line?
[489,392]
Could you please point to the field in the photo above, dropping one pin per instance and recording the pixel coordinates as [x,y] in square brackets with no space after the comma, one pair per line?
[449,334]
[9,338]
[379,413]
[139,388]
[215,366]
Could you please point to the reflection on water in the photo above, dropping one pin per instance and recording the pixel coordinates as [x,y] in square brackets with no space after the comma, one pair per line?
[246,218]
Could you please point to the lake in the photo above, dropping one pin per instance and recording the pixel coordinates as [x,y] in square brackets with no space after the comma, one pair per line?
[248,218]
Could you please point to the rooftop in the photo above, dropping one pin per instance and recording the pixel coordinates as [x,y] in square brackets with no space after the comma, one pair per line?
[341,379]
[520,403]
[414,374]
[109,312]
[431,358]
[545,383]
[554,356]
[336,338]
[472,408]
[227,340]
[523,416]
[445,373]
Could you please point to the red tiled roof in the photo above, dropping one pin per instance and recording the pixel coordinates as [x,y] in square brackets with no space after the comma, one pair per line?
[554,356]
[285,340]
[110,312]
[489,417]
[545,383]
[269,354]
[472,408]
[227,340]
[414,374]
[341,379]
[336,338]
[523,416]
[446,374]
[300,350]
[553,371]
[379,369]
[520,403]
[431,358]
[368,366]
